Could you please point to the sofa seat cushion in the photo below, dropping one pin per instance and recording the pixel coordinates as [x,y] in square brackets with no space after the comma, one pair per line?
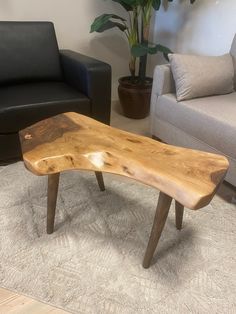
[24,104]
[209,119]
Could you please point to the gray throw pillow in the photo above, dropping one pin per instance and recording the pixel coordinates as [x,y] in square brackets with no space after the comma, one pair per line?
[199,76]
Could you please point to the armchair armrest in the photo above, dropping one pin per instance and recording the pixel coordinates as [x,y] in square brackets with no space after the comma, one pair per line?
[163,81]
[92,78]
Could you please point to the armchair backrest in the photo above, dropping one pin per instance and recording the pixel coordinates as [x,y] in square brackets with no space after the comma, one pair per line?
[233,53]
[28,52]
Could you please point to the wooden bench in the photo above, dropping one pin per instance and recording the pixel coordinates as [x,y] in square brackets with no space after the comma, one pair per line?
[73,141]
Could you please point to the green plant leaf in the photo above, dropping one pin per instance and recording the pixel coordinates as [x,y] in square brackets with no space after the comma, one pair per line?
[140,50]
[165,50]
[125,5]
[156,4]
[134,3]
[105,22]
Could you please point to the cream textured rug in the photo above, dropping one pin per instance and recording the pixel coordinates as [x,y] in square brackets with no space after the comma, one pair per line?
[92,263]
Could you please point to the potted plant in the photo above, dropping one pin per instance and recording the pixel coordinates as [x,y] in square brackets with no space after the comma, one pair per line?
[134,90]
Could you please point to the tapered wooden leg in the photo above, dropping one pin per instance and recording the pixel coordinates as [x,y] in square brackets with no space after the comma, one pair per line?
[53,182]
[100,180]
[179,211]
[162,211]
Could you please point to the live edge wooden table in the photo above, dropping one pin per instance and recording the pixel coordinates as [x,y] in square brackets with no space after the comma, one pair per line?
[73,141]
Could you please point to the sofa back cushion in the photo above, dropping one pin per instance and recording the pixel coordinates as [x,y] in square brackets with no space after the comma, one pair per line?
[28,52]
[199,76]
[233,54]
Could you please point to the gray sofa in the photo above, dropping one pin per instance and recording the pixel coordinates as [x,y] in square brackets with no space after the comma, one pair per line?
[207,124]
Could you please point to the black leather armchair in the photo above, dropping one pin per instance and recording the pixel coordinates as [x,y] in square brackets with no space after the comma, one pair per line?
[38,81]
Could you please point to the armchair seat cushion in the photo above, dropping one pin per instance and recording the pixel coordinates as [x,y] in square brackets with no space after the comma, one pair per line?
[25,104]
[210,119]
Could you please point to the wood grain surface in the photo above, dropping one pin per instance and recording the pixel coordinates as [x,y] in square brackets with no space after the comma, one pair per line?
[73,141]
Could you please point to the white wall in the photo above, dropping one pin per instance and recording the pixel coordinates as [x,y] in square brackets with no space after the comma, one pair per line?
[206,27]
[72,20]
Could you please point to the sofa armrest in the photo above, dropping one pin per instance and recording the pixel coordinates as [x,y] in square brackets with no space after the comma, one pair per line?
[163,81]
[92,78]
